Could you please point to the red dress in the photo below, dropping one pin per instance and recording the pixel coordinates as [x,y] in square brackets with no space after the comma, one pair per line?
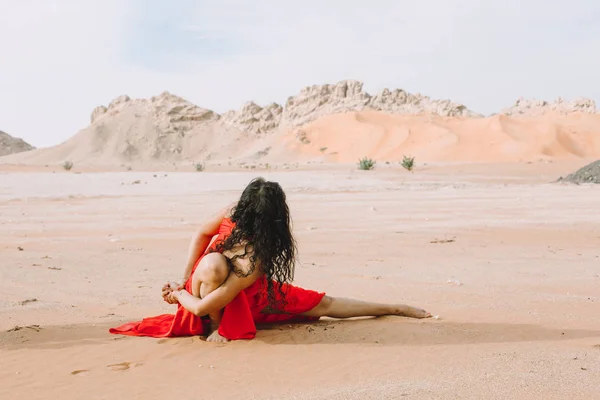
[239,317]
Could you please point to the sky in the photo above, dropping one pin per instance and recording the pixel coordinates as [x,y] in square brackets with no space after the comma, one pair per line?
[59,59]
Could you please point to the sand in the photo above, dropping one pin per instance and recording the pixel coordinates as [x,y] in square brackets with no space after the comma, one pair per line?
[429,138]
[508,260]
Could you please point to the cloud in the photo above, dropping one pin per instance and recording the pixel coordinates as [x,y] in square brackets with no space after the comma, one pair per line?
[62,58]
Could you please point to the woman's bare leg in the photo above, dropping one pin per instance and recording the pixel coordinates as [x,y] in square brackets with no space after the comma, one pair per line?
[339,307]
[210,274]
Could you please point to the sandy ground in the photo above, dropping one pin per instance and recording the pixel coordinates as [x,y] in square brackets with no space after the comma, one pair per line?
[509,261]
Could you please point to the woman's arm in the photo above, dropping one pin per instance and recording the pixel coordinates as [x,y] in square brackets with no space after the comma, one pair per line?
[201,240]
[217,299]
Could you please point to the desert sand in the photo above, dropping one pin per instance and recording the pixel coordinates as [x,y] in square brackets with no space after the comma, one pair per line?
[508,260]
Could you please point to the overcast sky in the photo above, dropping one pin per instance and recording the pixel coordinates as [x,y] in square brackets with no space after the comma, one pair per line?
[61,58]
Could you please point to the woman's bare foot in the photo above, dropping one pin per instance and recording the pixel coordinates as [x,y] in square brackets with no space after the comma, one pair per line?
[412,312]
[216,338]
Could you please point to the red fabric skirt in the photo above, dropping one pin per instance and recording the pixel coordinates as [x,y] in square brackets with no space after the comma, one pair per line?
[239,317]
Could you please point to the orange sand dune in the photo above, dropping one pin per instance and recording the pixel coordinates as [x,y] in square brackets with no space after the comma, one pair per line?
[500,138]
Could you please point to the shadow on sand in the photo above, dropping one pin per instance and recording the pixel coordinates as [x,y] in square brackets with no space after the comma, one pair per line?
[390,331]
[403,332]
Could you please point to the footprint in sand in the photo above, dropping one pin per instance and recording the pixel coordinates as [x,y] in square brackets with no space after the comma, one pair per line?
[80,372]
[124,366]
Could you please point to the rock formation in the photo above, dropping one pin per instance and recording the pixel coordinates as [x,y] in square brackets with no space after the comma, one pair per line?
[12,145]
[252,118]
[534,108]
[164,128]
[316,101]
[587,174]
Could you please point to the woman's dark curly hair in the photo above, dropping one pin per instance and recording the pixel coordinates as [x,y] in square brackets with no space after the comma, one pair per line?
[262,222]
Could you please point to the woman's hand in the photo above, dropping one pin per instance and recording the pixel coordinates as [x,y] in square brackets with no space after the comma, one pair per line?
[167,290]
[173,297]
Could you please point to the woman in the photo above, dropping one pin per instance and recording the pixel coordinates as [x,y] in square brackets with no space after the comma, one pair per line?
[239,268]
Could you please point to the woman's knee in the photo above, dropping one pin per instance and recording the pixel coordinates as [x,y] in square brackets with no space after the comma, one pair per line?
[212,268]
[323,308]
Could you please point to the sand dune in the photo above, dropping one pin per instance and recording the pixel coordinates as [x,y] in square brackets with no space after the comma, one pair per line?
[347,137]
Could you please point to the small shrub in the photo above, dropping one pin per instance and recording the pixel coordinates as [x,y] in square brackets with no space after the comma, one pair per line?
[301,135]
[408,163]
[199,167]
[366,164]
[322,149]
[67,165]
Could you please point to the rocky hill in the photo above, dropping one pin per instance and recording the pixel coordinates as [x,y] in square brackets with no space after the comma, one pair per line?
[316,101]
[587,174]
[12,145]
[532,108]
